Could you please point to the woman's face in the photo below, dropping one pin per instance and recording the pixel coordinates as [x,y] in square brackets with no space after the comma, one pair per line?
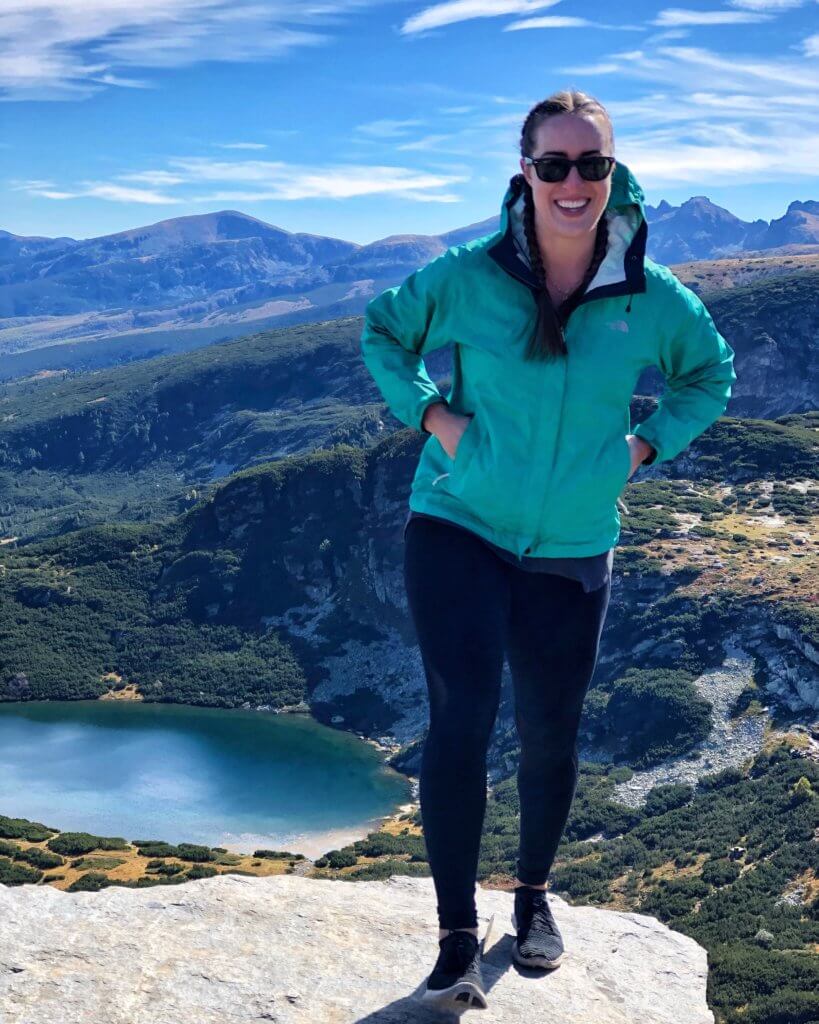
[570,135]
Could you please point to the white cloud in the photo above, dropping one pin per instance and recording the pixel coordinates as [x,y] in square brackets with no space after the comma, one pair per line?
[454,11]
[23,186]
[280,181]
[241,145]
[760,159]
[427,142]
[739,103]
[690,115]
[123,83]
[426,197]
[260,180]
[756,69]
[100,190]
[69,49]
[694,68]
[601,68]
[727,118]
[766,5]
[671,33]
[555,21]
[153,178]
[387,129]
[674,16]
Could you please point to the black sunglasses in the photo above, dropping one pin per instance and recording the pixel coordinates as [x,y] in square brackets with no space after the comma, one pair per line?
[556,168]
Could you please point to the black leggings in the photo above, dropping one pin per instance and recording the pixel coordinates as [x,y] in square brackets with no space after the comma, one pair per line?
[469,608]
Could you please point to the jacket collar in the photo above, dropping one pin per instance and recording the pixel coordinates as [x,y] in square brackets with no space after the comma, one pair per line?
[621,271]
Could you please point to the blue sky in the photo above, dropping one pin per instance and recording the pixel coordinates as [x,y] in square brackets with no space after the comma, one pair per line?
[364,118]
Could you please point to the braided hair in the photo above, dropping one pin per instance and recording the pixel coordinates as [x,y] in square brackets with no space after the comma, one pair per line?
[547,339]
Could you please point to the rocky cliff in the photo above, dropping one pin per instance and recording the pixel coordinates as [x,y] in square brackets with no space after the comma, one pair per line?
[332,586]
[292,950]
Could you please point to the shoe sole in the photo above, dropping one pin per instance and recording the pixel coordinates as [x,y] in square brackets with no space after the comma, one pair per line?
[463,995]
[533,961]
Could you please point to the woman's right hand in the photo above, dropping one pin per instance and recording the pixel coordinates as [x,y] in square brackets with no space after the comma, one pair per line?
[446,425]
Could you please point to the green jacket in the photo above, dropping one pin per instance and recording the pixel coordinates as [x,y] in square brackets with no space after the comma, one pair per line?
[544,459]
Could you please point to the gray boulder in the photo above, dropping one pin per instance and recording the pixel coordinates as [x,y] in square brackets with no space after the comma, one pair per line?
[234,950]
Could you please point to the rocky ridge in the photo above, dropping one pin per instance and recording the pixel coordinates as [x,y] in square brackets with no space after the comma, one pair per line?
[292,950]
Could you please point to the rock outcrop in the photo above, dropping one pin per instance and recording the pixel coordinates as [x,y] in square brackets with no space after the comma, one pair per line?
[234,949]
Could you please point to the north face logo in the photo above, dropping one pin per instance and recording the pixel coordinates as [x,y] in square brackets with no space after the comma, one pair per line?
[618,325]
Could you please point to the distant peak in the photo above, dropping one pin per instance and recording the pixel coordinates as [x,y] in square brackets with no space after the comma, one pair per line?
[806,206]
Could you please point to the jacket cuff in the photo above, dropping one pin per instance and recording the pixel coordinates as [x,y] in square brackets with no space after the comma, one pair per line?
[655,455]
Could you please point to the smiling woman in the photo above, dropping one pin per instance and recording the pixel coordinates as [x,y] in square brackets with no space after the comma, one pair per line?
[513,505]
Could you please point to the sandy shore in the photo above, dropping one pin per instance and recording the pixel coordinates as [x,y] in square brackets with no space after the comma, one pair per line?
[311,844]
[315,844]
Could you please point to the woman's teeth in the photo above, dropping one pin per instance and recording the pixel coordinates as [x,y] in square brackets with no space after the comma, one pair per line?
[572,208]
[572,204]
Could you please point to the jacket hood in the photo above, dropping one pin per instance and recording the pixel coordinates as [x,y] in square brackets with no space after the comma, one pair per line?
[620,272]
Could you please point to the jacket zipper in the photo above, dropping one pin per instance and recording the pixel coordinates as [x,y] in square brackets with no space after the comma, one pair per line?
[523,280]
[605,291]
[527,479]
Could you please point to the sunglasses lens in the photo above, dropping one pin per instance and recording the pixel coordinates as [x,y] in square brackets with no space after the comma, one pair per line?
[553,169]
[593,168]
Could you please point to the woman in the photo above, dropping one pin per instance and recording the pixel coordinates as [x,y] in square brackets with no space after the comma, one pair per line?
[514,503]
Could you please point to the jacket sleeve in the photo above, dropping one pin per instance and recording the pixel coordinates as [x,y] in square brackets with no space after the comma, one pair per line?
[697,363]
[402,323]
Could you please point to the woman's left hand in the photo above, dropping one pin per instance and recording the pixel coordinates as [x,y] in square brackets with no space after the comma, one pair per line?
[639,449]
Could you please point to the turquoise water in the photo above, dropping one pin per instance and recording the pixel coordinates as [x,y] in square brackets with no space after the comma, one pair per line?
[239,779]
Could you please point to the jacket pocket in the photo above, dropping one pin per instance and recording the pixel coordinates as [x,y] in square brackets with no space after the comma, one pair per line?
[465,447]
[482,479]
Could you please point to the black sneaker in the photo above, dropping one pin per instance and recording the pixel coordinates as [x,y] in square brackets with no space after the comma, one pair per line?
[456,982]
[538,942]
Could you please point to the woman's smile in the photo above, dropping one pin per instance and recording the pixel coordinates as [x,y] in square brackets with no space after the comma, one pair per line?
[572,208]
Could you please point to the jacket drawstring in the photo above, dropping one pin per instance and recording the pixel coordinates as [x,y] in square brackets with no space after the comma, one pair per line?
[620,503]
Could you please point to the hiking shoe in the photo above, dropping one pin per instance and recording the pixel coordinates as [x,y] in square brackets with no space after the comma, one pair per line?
[456,982]
[538,942]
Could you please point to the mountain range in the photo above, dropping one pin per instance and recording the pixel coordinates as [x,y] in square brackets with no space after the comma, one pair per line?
[214,276]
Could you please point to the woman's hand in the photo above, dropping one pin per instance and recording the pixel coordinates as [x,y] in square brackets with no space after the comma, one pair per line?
[446,425]
[640,450]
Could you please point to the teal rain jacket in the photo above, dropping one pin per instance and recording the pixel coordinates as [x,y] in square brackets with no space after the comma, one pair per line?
[544,458]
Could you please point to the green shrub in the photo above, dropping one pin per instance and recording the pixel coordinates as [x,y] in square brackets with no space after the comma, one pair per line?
[340,859]
[720,872]
[201,871]
[21,828]
[92,881]
[72,843]
[14,873]
[667,797]
[40,858]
